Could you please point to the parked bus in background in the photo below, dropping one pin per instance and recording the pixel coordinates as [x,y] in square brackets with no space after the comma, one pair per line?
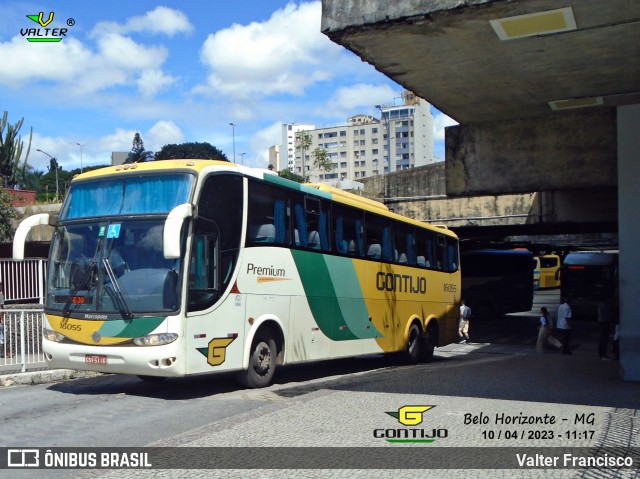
[588,277]
[183,267]
[497,282]
[549,271]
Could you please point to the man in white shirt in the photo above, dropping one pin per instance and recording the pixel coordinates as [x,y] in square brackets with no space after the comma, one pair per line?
[563,326]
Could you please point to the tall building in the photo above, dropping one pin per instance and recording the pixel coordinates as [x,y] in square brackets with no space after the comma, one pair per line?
[402,138]
[288,145]
[274,158]
[408,136]
[118,157]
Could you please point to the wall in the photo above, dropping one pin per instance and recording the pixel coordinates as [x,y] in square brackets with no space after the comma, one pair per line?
[538,154]
[420,193]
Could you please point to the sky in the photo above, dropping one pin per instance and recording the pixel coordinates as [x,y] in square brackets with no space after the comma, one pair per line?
[178,72]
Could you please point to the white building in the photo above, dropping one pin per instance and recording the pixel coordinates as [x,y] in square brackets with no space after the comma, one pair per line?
[288,148]
[410,129]
[274,158]
[367,146]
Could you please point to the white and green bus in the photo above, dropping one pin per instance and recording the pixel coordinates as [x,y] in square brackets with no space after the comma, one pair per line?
[183,267]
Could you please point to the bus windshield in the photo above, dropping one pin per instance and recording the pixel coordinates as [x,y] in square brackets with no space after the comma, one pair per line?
[127,195]
[115,267]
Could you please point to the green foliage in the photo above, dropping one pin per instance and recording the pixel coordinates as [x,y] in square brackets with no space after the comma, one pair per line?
[190,151]
[138,153]
[7,213]
[290,176]
[11,148]
[321,160]
[303,141]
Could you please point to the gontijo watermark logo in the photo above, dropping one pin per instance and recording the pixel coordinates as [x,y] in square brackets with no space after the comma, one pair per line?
[410,416]
[44,33]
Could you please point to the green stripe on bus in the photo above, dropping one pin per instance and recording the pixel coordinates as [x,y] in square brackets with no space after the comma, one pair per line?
[321,277]
[296,186]
[119,328]
[351,299]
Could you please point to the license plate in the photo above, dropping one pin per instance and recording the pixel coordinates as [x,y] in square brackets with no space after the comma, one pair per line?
[95,359]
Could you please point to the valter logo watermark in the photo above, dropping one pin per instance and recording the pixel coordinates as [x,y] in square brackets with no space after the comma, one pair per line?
[45,33]
[410,416]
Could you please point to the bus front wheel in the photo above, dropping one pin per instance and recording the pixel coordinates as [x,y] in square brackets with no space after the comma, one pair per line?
[262,363]
[428,345]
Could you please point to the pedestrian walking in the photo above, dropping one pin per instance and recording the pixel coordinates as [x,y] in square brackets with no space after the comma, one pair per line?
[463,325]
[563,326]
[543,329]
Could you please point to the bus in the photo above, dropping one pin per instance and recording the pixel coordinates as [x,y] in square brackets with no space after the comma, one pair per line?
[184,267]
[549,271]
[497,282]
[589,277]
[536,273]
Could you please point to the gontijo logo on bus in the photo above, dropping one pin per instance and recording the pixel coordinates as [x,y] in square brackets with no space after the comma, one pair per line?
[45,34]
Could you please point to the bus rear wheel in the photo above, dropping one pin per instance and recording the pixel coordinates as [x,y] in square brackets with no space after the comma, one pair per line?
[262,363]
[413,350]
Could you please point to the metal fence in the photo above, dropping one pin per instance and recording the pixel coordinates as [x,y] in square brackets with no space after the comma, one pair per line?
[23,281]
[21,339]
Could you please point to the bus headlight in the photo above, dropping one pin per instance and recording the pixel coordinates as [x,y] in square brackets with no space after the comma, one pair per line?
[155,339]
[52,335]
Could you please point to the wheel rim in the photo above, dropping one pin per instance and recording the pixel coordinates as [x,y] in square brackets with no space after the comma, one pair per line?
[262,358]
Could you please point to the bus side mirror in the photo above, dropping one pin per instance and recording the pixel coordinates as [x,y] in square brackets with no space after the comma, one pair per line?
[172,227]
[25,226]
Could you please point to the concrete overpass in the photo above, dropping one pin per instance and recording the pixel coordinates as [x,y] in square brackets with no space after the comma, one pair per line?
[547,94]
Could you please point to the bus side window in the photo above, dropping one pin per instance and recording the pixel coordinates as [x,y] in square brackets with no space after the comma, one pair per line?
[316,215]
[425,254]
[452,255]
[203,274]
[340,242]
[300,221]
[268,220]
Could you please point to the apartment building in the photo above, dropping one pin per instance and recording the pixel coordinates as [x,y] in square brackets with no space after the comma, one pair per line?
[365,146]
[287,153]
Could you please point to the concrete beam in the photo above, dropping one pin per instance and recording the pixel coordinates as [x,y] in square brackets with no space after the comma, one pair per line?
[567,150]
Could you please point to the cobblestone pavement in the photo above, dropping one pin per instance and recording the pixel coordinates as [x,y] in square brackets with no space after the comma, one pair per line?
[589,411]
[491,399]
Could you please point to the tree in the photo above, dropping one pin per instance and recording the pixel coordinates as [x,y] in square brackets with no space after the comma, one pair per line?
[190,151]
[11,147]
[286,173]
[321,160]
[7,213]
[138,153]
[303,141]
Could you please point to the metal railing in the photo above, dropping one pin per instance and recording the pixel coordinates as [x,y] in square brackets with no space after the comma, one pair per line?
[21,339]
[23,281]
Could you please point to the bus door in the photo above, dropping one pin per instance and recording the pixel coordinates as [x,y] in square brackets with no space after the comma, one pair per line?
[215,319]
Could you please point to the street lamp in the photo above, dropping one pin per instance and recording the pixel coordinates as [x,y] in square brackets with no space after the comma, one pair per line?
[56,165]
[242,158]
[384,175]
[81,146]
[233,132]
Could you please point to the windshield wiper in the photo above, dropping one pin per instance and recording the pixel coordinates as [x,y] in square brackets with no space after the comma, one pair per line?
[122,303]
[83,280]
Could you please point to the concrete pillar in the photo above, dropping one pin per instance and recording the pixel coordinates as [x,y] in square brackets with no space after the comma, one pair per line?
[628,118]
